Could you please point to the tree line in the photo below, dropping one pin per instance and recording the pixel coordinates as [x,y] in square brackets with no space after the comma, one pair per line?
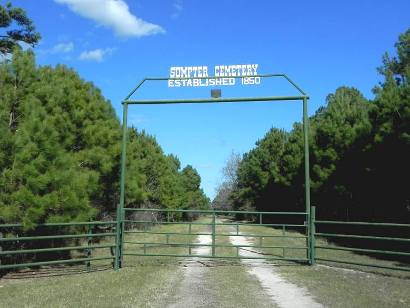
[60,151]
[359,155]
[60,148]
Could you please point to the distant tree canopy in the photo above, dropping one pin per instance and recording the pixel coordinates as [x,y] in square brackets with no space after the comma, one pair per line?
[359,154]
[17,28]
[60,151]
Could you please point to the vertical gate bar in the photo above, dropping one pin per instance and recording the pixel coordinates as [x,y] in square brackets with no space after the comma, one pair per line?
[89,239]
[313,232]
[213,234]
[307,174]
[167,238]
[260,218]
[307,240]
[1,247]
[120,214]
[237,229]
[117,239]
[189,238]
[283,233]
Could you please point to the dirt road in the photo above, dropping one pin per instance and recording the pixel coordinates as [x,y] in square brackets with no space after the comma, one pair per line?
[260,285]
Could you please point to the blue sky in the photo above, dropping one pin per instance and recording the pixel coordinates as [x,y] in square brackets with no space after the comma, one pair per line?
[320,44]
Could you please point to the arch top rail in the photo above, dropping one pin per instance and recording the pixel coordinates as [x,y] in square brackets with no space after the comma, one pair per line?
[290,81]
[214,100]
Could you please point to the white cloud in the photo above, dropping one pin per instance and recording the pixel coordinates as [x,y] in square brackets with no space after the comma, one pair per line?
[96,55]
[63,47]
[113,14]
[178,7]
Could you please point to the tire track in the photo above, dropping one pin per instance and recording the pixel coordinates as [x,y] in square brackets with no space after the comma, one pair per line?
[283,293]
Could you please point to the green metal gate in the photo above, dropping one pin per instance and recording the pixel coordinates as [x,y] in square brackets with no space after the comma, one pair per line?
[224,234]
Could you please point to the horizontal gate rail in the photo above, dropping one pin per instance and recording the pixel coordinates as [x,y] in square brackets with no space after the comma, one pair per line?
[379,241]
[400,239]
[365,264]
[48,237]
[68,261]
[216,224]
[151,244]
[18,247]
[62,224]
[217,257]
[334,222]
[14,252]
[212,211]
[219,234]
[387,252]
[167,222]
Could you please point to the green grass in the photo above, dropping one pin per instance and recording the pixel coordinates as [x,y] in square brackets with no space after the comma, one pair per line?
[333,286]
[141,286]
[143,282]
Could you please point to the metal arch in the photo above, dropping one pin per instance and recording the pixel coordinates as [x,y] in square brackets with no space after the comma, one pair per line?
[302,97]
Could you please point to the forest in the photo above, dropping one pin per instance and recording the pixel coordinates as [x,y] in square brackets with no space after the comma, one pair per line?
[359,155]
[60,152]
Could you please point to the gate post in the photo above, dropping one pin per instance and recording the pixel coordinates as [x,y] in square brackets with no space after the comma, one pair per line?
[120,207]
[307,176]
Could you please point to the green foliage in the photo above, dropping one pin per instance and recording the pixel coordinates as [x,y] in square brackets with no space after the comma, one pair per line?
[359,152]
[192,195]
[60,151]
[398,66]
[25,32]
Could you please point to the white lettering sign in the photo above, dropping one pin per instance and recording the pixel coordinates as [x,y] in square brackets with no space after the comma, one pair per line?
[223,75]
